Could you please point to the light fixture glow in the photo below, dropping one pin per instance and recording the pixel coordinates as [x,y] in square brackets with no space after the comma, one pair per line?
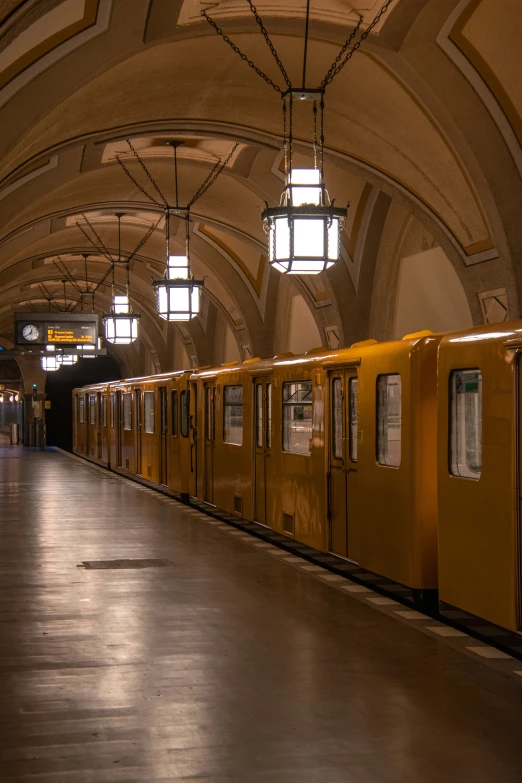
[304,232]
[67,359]
[50,363]
[121,325]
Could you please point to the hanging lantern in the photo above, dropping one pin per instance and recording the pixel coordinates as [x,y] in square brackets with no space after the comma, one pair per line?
[178,295]
[67,359]
[121,324]
[304,232]
[50,363]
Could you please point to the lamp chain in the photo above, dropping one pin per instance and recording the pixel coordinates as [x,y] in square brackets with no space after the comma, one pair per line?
[238,51]
[137,184]
[147,172]
[214,174]
[269,42]
[336,66]
[332,73]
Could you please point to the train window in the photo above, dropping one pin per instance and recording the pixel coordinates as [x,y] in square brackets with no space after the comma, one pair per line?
[148,409]
[259,415]
[185,413]
[104,410]
[174,413]
[269,415]
[113,409]
[81,410]
[297,416]
[127,411]
[389,420]
[466,423]
[353,394]
[92,409]
[233,415]
[337,418]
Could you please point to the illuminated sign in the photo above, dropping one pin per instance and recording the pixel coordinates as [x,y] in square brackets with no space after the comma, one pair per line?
[70,333]
[38,329]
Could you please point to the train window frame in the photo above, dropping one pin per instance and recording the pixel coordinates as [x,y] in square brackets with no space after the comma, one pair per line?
[104,410]
[126,397]
[382,433]
[337,411]
[184,404]
[268,416]
[174,428]
[458,464]
[287,405]
[113,410]
[149,412]
[93,406]
[81,409]
[228,414]
[353,421]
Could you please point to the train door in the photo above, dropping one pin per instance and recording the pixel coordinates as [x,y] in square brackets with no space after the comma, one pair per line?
[343,420]
[189,429]
[262,444]
[164,434]
[119,456]
[137,403]
[99,420]
[210,432]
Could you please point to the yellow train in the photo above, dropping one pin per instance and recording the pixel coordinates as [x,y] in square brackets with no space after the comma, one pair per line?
[373,453]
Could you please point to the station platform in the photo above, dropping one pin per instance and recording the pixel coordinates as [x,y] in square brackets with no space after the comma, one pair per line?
[144,641]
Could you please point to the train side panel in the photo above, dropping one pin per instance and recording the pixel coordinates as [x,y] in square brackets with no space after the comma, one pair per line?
[479,414]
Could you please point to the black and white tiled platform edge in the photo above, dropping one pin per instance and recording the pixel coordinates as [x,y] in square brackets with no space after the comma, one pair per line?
[490,644]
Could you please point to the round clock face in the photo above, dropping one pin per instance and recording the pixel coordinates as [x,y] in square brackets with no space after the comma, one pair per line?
[30,332]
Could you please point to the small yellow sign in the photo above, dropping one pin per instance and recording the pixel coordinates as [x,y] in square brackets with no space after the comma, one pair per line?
[360,436]
[47,405]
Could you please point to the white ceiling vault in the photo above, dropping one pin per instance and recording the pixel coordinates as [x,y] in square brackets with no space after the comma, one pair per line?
[423,129]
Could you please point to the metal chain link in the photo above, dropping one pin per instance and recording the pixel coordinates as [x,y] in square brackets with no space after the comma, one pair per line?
[238,51]
[149,175]
[333,68]
[331,74]
[145,239]
[269,43]
[214,174]
[97,236]
[137,184]
[94,245]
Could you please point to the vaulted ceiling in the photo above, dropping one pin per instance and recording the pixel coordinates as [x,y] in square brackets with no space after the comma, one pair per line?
[423,124]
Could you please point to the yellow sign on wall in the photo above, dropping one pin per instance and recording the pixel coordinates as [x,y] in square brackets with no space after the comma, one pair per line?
[47,405]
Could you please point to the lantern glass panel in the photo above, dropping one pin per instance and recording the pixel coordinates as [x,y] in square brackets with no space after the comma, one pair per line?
[333,240]
[162,300]
[178,267]
[302,190]
[309,238]
[179,299]
[195,300]
[306,267]
[282,238]
[121,304]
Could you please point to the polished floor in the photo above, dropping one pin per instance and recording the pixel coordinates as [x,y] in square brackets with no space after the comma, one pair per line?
[221,665]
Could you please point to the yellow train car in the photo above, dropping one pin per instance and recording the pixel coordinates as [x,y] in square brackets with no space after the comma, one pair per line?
[352,465]
[334,448]
[90,432]
[479,464]
[149,429]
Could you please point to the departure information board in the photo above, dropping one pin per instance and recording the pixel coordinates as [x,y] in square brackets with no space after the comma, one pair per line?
[56,329]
